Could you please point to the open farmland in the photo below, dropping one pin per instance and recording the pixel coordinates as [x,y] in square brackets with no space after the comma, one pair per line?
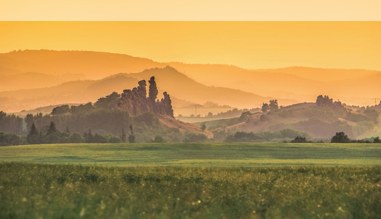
[204,155]
[71,191]
[267,180]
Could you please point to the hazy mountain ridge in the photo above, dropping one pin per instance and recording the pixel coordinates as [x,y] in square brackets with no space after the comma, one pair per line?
[64,66]
[169,78]
[288,85]
[355,86]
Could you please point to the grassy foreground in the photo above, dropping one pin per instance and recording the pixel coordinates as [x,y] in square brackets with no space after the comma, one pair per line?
[71,191]
[203,155]
[247,180]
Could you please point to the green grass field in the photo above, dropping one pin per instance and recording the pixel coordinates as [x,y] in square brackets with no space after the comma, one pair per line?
[204,155]
[260,180]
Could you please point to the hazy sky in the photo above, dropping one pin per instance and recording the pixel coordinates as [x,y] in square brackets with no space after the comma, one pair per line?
[245,44]
[328,10]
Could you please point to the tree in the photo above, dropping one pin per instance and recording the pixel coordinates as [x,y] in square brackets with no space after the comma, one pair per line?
[61,110]
[29,120]
[9,139]
[158,139]
[33,136]
[131,137]
[340,137]
[10,123]
[123,137]
[2,115]
[75,138]
[88,136]
[203,127]
[265,107]
[377,140]
[245,115]
[323,100]
[299,139]
[273,105]
[52,129]
[53,135]
[108,101]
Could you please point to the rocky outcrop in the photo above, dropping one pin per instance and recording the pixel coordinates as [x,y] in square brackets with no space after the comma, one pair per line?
[136,102]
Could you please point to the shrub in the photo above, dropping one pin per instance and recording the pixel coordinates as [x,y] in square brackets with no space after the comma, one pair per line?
[9,139]
[340,137]
[158,139]
[193,137]
[299,139]
[377,140]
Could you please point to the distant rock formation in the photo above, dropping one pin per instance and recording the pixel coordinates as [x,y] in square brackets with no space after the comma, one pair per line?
[136,102]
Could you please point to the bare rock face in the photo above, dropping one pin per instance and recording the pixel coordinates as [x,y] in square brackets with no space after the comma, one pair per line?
[136,102]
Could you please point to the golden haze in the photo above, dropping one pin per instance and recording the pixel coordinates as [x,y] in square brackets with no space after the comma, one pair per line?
[245,44]
[251,45]
[190,10]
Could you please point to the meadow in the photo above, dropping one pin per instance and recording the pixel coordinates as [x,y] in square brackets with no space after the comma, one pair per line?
[203,154]
[256,180]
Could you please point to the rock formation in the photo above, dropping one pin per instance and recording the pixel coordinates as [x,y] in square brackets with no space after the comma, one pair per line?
[152,89]
[136,102]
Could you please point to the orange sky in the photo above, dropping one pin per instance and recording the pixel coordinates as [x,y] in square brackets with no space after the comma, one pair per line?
[327,10]
[245,44]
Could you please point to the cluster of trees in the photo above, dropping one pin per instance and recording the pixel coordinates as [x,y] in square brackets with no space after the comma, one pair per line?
[10,123]
[85,123]
[263,136]
[341,137]
[65,109]
[9,139]
[299,139]
[79,119]
[270,107]
[51,134]
[325,100]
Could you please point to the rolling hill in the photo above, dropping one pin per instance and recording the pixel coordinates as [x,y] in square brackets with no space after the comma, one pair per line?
[44,68]
[317,121]
[354,86]
[179,85]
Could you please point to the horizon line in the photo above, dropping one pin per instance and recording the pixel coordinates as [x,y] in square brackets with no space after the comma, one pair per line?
[193,63]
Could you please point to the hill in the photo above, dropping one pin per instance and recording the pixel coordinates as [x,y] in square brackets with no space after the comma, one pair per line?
[170,80]
[317,121]
[137,111]
[354,86]
[289,85]
[70,65]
